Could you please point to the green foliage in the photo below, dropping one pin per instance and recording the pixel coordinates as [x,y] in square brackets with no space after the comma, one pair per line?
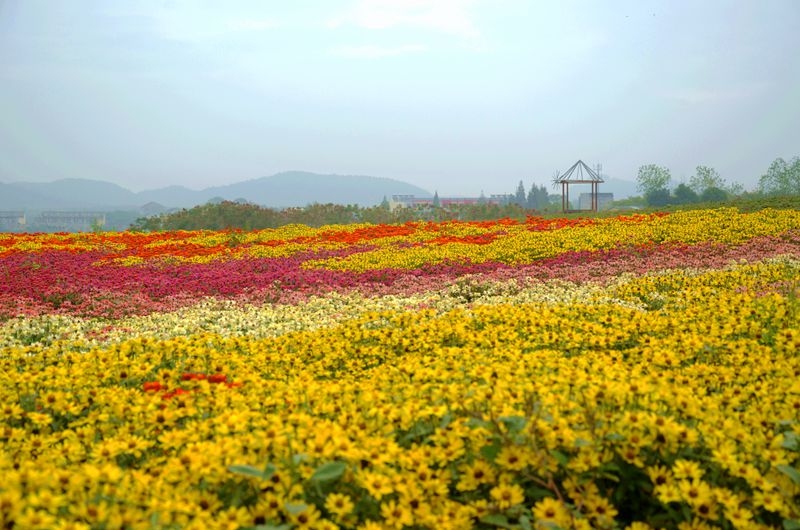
[713,194]
[636,202]
[746,202]
[704,178]
[519,197]
[652,178]
[538,198]
[685,194]
[329,471]
[658,197]
[781,178]
[232,215]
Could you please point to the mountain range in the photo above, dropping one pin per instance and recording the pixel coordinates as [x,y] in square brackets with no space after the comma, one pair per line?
[291,188]
[287,189]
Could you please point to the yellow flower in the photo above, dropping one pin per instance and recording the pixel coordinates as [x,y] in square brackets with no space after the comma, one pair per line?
[770,501]
[377,484]
[668,492]
[740,517]
[35,520]
[638,525]
[601,511]
[551,511]
[695,492]
[305,518]
[687,469]
[512,457]
[659,475]
[695,524]
[396,515]
[507,495]
[10,506]
[339,504]
[472,476]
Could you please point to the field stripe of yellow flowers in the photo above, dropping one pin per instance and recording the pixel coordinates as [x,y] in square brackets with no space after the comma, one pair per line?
[634,372]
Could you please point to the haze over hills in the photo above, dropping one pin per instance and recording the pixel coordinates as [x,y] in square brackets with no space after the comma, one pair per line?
[287,189]
[292,188]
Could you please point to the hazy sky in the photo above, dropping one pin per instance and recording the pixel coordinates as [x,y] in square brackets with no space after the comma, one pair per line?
[457,96]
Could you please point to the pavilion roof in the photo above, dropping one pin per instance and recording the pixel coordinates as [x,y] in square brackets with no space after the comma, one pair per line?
[579,173]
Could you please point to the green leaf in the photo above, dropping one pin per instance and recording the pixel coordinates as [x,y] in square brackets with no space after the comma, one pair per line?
[420,429]
[536,493]
[525,523]
[295,508]
[789,524]
[248,471]
[791,441]
[476,422]
[562,459]
[446,420]
[790,472]
[329,471]
[514,423]
[269,470]
[490,452]
[496,519]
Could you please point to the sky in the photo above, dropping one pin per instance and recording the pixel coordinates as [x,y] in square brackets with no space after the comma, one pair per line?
[455,96]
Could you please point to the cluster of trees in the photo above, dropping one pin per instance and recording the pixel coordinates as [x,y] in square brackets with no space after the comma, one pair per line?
[653,181]
[706,185]
[536,199]
[781,178]
[246,216]
[219,214]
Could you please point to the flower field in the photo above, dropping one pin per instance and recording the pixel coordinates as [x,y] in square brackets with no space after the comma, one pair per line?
[627,372]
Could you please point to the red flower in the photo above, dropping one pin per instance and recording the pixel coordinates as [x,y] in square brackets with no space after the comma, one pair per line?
[152,386]
[176,392]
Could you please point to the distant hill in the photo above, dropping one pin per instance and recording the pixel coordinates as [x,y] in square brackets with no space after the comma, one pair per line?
[299,188]
[293,188]
[82,192]
[67,194]
[16,197]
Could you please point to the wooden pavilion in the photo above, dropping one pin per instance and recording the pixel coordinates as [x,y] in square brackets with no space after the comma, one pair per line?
[579,173]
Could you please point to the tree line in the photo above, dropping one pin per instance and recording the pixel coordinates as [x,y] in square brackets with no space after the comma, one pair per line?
[706,185]
[653,181]
[537,198]
[247,216]
[240,214]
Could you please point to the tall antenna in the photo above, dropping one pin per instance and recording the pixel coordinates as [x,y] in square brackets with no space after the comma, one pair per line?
[598,168]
